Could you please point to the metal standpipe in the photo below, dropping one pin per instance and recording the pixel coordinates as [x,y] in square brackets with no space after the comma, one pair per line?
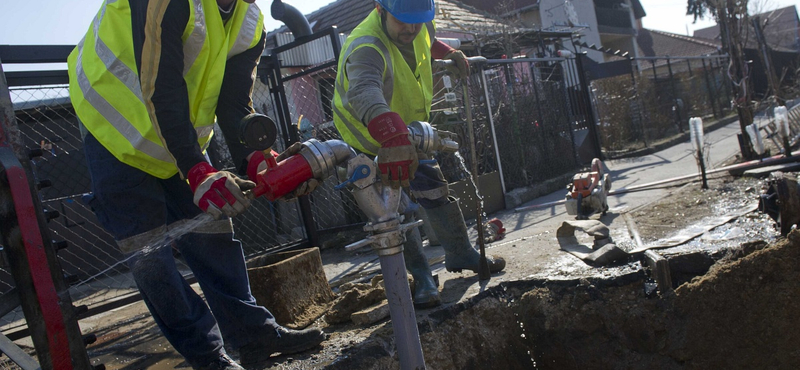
[383,206]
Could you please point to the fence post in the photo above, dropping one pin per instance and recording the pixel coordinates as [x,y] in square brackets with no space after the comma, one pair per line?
[588,103]
[639,105]
[711,96]
[675,104]
[491,125]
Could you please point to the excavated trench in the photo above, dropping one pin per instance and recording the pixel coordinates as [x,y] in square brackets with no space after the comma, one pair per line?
[735,305]
[742,313]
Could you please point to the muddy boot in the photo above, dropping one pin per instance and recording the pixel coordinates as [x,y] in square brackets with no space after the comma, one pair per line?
[283,340]
[448,224]
[426,293]
[223,362]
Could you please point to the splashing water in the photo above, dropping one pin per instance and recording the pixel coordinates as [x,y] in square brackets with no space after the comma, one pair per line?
[463,164]
[171,235]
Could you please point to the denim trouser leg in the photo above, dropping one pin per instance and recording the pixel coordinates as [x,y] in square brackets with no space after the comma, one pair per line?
[130,203]
[179,312]
[217,261]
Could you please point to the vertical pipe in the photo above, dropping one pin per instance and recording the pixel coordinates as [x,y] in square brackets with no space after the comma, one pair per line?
[494,134]
[401,310]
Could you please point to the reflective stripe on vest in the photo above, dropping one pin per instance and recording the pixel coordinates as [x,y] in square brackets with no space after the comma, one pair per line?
[113,103]
[407,92]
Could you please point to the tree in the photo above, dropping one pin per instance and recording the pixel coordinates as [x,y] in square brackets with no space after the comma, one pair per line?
[732,18]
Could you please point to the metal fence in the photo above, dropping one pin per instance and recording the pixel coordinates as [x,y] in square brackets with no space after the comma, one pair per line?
[656,98]
[529,114]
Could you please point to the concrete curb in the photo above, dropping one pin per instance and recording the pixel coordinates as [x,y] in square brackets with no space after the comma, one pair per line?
[672,141]
[520,196]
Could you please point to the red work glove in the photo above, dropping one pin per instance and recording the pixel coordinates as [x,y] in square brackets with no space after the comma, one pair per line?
[397,158]
[218,192]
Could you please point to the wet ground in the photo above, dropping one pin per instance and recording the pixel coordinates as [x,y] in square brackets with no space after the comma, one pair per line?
[536,268]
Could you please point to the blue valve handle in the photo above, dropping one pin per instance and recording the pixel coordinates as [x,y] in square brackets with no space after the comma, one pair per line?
[363,171]
[359,173]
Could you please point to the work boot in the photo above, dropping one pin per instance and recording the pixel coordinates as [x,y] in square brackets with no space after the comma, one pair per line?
[448,224]
[427,229]
[426,293]
[283,340]
[223,362]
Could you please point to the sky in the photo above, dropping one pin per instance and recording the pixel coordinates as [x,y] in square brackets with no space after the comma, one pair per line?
[63,22]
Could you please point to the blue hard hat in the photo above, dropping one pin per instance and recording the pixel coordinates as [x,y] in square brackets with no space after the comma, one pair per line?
[410,11]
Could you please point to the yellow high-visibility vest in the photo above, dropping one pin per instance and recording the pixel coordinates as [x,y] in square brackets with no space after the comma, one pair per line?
[407,92]
[114,104]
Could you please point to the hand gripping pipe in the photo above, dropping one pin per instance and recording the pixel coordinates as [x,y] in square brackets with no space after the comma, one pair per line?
[316,160]
[383,205]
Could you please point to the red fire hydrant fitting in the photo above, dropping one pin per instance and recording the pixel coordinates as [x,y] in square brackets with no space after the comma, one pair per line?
[281,178]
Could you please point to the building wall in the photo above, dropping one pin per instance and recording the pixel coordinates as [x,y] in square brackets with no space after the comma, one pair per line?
[553,14]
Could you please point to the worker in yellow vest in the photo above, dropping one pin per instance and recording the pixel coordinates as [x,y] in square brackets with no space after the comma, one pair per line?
[147,82]
[385,81]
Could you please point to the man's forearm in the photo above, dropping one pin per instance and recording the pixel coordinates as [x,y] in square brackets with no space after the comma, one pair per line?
[235,99]
[366,94]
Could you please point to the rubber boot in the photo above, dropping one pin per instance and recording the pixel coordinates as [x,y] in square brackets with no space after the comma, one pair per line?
[448,224]
[426,293]
[427,229]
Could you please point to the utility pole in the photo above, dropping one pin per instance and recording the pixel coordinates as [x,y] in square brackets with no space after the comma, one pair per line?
[765,53]
[731,18]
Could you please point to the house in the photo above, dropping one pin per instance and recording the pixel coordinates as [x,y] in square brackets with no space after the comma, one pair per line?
[607,24]
[781,30]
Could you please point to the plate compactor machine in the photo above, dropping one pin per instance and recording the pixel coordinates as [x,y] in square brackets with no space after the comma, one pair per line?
[588,192]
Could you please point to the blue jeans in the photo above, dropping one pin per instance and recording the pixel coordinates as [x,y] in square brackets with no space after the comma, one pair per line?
[128,203]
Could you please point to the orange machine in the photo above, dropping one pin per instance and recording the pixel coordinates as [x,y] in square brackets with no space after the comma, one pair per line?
[588,192]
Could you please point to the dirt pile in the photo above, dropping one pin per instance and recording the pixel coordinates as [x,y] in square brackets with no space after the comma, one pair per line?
[741,314]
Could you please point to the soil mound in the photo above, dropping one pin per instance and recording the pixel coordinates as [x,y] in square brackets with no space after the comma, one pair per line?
[742,314]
